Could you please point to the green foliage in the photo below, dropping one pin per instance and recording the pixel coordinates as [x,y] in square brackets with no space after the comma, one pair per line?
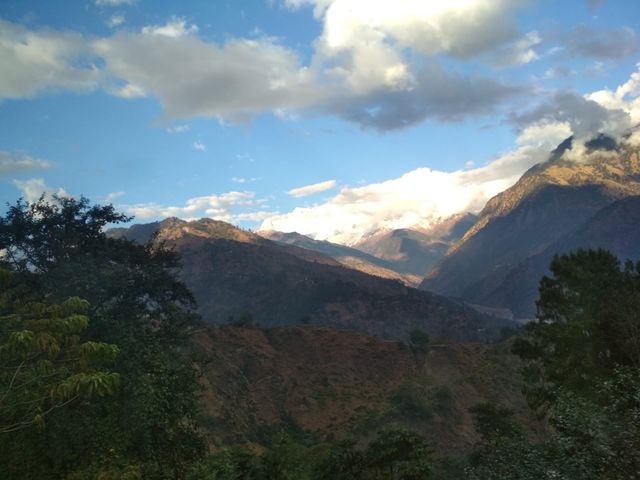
[393,455]
[44,366]
[494,422]
[587,324]
[57,249]
[581,367]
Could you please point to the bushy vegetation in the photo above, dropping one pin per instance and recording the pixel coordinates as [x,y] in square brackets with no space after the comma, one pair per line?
[393,454]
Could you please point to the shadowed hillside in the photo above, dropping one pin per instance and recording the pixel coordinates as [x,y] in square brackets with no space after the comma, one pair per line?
[235,273]
[500,259]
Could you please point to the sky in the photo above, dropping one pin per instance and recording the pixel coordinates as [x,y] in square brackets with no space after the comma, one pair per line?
[333,118]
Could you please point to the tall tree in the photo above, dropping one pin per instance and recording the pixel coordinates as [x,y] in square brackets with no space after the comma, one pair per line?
[582,371]
[57,248]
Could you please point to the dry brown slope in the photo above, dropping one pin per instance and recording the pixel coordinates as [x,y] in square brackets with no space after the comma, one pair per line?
[324,384]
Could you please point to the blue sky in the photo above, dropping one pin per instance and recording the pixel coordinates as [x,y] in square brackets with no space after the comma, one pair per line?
[331,117]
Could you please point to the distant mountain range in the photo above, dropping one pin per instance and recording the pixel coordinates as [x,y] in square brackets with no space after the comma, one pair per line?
[404,254]
[235,273]
[555,207]
[492,262]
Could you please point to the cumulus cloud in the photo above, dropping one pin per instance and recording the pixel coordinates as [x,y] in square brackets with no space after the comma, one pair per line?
[375,64]
[174,28]
[425,196]
[460,28]
[585,116]
[194,78]
[517,52]
[625,98]
[34,188]
[614,43]
[223,207]
[435,94]
[11,163]
[558,71]
[311,189]
[34,62]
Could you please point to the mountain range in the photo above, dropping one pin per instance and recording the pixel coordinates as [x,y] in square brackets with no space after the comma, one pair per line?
[492,261]
[235,274]
[555,207]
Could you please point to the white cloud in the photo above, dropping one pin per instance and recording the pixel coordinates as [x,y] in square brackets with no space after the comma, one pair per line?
[420,197]
[40,61]
[11,163]
[115,20]
[33,188]
[200,146]
[311,189]
[424,196]
[245,180]
[174,28]
[518,52]
[128,91]
[194,78]
[225,207]
[114,3]
[112,196]
[374,64]
[178,129]
[625,98]
[586,116]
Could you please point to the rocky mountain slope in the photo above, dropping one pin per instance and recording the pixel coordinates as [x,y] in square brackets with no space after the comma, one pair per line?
[235,273]
[320,384]
[500,259]
[347,256]
[416,250]
[615,227]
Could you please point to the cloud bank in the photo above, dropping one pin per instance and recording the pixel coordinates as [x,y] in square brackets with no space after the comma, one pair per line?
[424,196]
[375,64]
[228,207]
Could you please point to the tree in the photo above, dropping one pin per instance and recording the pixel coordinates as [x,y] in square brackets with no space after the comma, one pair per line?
[57,249]
[43,364]
[582,372]
[588,324]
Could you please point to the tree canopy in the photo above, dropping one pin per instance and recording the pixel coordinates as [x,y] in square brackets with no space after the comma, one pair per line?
[57,249]
[582,374]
